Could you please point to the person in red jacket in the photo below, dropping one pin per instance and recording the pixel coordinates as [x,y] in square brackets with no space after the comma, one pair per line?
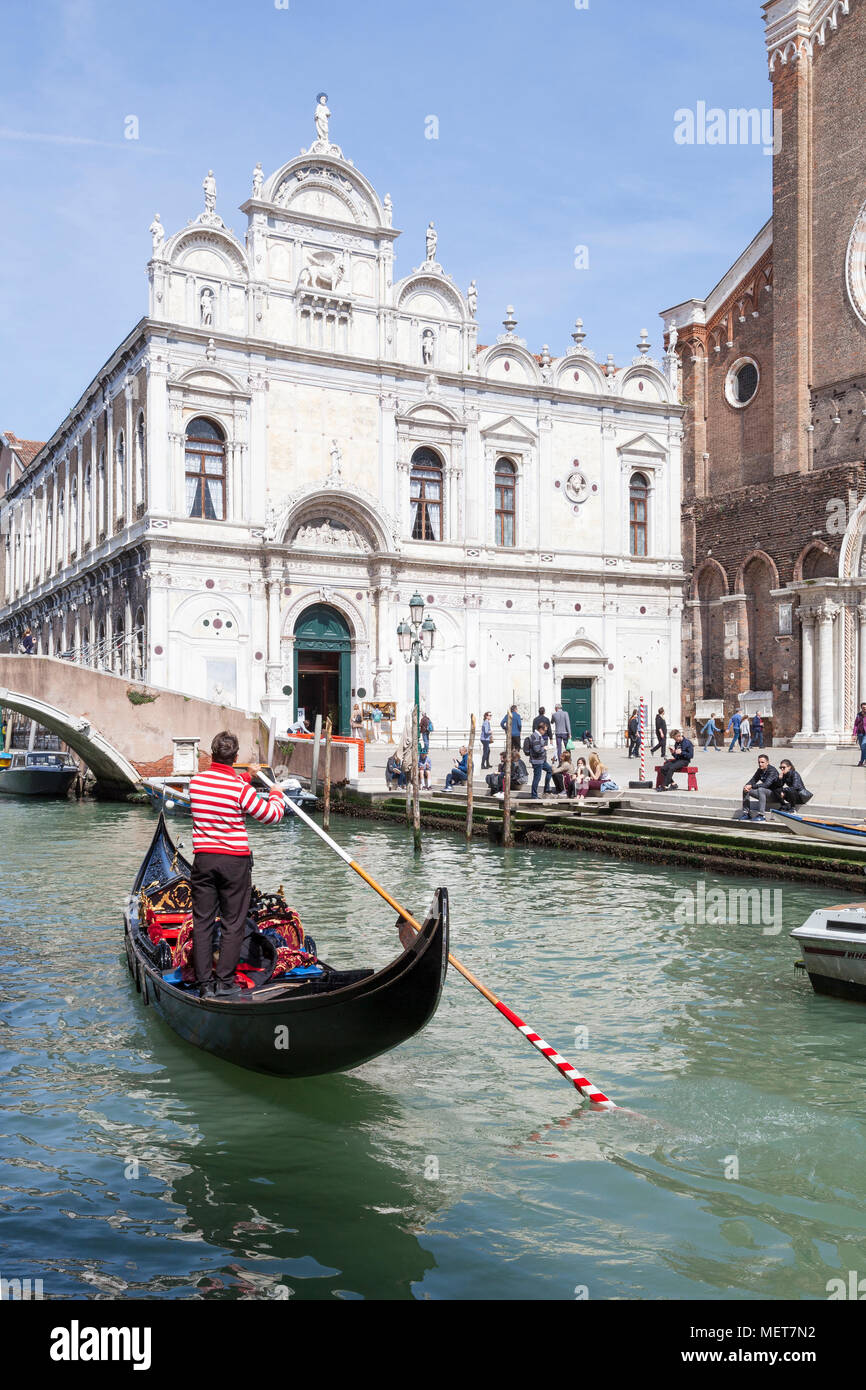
[222,867]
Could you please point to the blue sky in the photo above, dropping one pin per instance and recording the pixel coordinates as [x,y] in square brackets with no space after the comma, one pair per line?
[555,131]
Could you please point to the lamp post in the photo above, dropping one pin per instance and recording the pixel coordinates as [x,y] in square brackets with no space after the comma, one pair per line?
[415,639]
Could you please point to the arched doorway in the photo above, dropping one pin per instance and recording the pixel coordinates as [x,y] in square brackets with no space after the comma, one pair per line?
[323,661]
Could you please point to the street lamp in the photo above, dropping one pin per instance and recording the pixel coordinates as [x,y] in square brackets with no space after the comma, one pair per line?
[415,639]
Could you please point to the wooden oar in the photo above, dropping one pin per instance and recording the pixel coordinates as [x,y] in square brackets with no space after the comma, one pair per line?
[585,1087]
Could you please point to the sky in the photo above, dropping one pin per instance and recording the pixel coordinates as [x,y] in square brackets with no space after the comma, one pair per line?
[555,124]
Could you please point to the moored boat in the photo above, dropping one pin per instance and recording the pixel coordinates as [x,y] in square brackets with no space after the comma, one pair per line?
[171,794]
[303,1023]
[832,943]
[837,832]
[38,773]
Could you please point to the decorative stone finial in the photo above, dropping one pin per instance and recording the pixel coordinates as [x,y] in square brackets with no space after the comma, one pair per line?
[509,323]
[578,335]
[545,355]
[610,365]
[643,345]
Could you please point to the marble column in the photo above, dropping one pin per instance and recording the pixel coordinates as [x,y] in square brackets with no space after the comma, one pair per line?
[826,619]
[860,693]
[807,673]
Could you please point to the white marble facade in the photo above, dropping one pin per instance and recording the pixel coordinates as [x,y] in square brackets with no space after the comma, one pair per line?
[320,372]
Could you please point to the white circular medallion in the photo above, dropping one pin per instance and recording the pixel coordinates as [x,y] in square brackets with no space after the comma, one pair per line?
[576,487]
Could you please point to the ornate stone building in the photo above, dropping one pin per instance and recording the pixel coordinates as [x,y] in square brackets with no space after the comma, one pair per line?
[773,373]
[296,438]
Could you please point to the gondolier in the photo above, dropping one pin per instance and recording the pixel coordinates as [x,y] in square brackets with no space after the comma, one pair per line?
[222,868]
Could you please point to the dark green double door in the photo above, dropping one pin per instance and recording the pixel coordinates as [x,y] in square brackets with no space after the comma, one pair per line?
[577,701]
[323,666]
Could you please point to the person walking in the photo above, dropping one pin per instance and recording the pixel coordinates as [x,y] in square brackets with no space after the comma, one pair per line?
[561,729]
[516,726]
[736,725]
[634,735]
[683,752]
[764,783]
[757,740]
[709,732]
[859,735]
[425,728]
[486,739]
[536,751]
[27,643]
[460,771]
[221,878]
[661,733]
[376,716]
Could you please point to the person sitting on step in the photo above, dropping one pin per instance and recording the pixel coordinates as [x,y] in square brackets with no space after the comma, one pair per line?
[459,774]
[764,784]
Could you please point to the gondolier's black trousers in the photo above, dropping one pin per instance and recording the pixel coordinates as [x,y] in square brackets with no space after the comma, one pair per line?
[224,882]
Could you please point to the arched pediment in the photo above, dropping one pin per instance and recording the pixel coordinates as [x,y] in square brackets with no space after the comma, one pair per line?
[643,383]
[509,362]
[428,413]
[211,379]
[208,251]
[430,296]
[319,185]
[327,519]
[580,648]
[580,373]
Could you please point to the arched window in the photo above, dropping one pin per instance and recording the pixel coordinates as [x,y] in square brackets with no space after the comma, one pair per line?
[140,460]
[425,490]
[86,506]
[205,470]
[506,502]
[73,514]
[100,496]
[138,647]
[638,514]
[49,536]
[120,477]
[118,656]
[99,656]
[61,512]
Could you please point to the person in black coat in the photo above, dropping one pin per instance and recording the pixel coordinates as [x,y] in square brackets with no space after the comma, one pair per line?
[764,783]
[684,751]
[661,733]
[792,792]
[634,735]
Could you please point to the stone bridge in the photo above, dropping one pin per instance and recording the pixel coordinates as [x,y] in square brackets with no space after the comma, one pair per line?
[121,729]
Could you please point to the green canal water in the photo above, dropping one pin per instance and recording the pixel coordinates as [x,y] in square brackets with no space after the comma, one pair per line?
[461,1165]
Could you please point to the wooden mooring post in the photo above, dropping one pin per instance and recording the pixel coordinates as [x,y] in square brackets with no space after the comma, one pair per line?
[326,791]
[470,764]
[317,743]
[507,836]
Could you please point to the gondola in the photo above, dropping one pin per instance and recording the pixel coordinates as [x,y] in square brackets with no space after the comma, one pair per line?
[303,1023]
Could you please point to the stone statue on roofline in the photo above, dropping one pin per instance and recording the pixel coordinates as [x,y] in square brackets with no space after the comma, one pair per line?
[472,298]
[258,180]
[157,232]
[432,241]
[322,117]
[210,191]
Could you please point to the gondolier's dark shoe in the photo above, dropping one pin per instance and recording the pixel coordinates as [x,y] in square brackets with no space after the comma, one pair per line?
[205,990]
[225,991]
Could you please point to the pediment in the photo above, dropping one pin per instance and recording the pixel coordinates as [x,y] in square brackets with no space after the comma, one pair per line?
[643,444]
[511,429]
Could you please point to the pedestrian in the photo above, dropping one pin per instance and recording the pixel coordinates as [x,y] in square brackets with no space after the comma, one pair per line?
[27,643]
[377,721]
[746,731]
[661,733]
[764,783]
[757,731]
[221,878]
[859,734]
[709,733]
[425,728]
[486,738]
[516,726]
[791,791]
[541,724]
[425,771]
[460,771]
[357,721]
[562,729]
[735,725]
[536,750]
[633,731]
[683,752]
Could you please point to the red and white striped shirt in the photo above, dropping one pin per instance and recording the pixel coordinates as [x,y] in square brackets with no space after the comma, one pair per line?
[220,799]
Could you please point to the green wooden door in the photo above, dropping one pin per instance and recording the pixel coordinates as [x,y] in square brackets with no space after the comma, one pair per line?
[322,629]
[577,701]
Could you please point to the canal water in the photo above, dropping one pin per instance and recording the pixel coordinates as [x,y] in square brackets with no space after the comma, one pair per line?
[461,1165]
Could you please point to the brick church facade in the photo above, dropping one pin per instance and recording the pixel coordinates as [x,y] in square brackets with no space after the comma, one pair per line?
[773,375]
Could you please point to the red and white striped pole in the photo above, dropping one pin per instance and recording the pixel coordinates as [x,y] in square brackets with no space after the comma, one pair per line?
[643,715]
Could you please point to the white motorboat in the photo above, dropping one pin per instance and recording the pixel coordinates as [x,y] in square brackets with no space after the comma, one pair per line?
[833,946]
[837,832]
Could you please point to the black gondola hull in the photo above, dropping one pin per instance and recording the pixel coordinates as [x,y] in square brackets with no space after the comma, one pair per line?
[301,1030]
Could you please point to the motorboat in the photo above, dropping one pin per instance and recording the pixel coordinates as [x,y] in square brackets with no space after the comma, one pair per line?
[837,832]
[832,943]
[171,794]
[36,772]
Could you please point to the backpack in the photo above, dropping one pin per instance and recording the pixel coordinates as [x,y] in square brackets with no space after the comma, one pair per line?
[527,745]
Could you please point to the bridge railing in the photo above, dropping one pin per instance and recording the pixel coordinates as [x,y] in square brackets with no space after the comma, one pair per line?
[122,655]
